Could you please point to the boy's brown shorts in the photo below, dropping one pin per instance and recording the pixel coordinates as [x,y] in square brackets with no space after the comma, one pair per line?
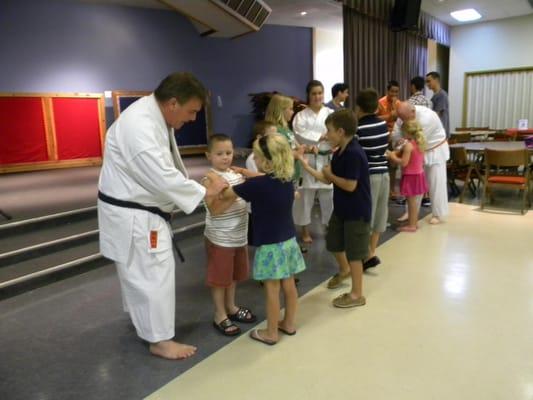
[226,264]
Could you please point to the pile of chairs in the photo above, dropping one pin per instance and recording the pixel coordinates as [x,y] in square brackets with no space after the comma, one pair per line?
[492,168]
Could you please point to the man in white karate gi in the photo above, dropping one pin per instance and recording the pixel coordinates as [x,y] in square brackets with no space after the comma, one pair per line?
[142,180]
[435,155]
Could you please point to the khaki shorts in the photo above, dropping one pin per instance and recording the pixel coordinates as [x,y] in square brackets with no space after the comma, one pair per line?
[379,188]
[352,237]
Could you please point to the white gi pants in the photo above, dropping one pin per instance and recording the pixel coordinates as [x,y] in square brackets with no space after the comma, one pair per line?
[438,189]
[147,279]
[303,206]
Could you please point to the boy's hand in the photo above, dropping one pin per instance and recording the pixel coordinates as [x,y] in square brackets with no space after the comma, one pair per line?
[388,154]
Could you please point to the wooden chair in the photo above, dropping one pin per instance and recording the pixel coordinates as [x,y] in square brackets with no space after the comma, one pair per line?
[501,136]
[461,168]
[462,137]
[502,169]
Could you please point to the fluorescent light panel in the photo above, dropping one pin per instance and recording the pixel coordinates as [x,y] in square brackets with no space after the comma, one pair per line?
[466,15]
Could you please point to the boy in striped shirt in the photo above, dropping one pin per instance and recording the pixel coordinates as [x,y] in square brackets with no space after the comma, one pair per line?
[374,139]
[226,232]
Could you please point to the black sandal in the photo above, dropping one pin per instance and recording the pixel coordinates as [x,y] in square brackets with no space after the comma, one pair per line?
[242,316]
[224,326]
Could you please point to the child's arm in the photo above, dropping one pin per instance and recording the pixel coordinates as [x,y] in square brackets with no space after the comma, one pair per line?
[246,172]
[316,174]
[402,160]
[216,204]
[348,185]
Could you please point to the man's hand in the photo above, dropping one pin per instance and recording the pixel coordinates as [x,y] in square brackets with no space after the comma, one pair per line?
[214,184]
[326,171]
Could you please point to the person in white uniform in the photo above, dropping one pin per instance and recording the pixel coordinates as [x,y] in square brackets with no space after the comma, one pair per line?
[310,129]
[142,180]
[435,156]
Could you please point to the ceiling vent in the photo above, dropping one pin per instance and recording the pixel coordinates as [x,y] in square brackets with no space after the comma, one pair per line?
[223,18]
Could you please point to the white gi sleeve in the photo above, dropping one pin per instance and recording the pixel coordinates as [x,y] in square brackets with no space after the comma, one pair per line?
[164,180]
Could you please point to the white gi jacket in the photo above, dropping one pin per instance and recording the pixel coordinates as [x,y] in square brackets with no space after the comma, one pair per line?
[140,167]
[308,127]
[438,152]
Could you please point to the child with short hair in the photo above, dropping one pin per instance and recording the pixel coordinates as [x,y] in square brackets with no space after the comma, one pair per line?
[226,227]
[410,156]
[277,257]
[349,226]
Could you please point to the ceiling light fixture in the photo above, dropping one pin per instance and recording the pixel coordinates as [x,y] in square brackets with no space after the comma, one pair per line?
[303,13]
[466,15]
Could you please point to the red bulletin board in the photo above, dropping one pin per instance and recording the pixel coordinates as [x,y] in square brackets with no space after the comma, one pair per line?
[22,130]
[77,128]
[50,130]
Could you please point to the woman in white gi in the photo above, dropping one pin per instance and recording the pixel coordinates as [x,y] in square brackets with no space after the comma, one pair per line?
[141,181]
[435,157]
[310,129]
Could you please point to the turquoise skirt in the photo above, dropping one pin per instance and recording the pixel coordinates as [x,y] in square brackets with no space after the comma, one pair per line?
[278,260]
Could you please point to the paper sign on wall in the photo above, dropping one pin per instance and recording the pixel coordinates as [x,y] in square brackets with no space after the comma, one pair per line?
[522,124]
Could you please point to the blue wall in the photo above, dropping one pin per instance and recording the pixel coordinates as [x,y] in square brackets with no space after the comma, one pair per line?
[54,45]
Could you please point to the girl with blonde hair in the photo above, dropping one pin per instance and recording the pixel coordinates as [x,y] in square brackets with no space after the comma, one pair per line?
[279,112]
[411,158]
[278,257]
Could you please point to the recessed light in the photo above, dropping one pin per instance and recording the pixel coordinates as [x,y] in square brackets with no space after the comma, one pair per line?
[468,14]
[303,13]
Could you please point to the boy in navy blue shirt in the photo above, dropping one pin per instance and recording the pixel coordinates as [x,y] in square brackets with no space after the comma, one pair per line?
[349,227]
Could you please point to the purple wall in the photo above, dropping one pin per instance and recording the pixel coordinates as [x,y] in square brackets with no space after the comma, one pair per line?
[54,45]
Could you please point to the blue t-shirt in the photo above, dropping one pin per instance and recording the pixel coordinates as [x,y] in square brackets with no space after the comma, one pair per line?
[271,201]
[352,164]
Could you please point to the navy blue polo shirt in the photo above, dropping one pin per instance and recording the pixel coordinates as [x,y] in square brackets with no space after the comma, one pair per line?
[352,164]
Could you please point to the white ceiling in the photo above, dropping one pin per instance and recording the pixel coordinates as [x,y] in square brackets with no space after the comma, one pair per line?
[489,9]
[327,14]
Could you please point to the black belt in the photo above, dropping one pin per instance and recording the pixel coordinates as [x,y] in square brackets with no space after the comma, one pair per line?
[154,210]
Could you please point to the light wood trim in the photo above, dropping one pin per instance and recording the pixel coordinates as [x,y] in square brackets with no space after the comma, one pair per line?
[25,167]
[190,150]
[486,72]
[500,71]
[50,128]
[465,101]
[117,94]
[102,122]
[52,94]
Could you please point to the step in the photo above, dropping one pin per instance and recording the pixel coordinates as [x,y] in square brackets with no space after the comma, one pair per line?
[82,252]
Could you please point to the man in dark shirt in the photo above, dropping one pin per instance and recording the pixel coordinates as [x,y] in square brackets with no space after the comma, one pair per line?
[349,226]
[374,139]
[339,94]
[439,100]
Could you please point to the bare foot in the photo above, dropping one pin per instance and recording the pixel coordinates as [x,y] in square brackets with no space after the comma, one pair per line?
[434,221]
[263,334]
[286,328]
[307,239]
[172,350]
[403,218]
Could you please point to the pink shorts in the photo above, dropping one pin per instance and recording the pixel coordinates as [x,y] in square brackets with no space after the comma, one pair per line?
[226,265]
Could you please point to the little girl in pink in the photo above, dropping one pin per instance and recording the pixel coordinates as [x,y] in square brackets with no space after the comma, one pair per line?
[411,158]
